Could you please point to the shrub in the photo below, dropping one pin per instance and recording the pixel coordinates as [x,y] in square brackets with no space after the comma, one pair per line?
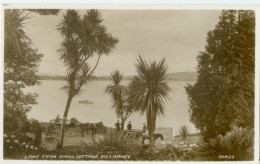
[15,145]
[113,143]
[238,142]
[184,132]
[167,152]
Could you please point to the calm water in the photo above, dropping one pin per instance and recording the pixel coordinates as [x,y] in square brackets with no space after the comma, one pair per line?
[52,101]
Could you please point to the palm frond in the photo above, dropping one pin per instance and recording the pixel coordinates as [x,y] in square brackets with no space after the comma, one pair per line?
[83,37]
[118,93]
[149,86]
[14,34]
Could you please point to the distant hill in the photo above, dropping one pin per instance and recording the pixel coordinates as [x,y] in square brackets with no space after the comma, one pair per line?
[183,76]
[47,77]
[178,76]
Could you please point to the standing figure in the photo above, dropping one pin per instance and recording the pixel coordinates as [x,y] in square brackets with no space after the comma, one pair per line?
[144,128]
[117,125]
[129,126]
[94,129]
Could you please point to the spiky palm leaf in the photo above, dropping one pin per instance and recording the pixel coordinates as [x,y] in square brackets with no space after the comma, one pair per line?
[149,90]
[184,132]
[15,37]
[83,36]
[117,92]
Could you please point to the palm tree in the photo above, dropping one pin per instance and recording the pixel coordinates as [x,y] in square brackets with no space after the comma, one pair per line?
[84,38]
[16,40]
[149,90]
[184,132]
[118,94]
[15,37]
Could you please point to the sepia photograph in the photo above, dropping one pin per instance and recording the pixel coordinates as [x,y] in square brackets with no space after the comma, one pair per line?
[129,84]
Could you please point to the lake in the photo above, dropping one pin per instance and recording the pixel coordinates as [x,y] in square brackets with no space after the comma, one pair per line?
[52,101]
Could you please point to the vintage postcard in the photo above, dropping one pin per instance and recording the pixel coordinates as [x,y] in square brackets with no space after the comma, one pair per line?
[138,83]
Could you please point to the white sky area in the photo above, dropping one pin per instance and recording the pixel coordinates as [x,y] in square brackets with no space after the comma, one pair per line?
[177,35]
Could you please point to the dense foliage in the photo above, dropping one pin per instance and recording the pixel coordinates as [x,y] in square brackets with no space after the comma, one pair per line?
[237,144]
[15,145]
[21,62]
[223,95]
[114,146]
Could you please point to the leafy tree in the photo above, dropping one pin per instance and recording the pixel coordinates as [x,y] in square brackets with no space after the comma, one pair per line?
[17,75]
[223,95]
[118,94]
[84,37]
[149,90]
[21,63]
[18,72]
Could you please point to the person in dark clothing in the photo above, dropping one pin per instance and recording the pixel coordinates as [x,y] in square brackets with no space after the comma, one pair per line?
[144,128]
[117,125]
[94,129]
[129,126]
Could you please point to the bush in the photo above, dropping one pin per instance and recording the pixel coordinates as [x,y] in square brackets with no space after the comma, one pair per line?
[238,142]
[167,152]
[15,145]
[113,143]
[118,143]
[184,132]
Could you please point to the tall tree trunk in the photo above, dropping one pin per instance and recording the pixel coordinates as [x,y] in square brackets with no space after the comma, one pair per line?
[64,120]
[151,138]
[123,120]
[153,126]
[151,123]
[122,124]
[150,127]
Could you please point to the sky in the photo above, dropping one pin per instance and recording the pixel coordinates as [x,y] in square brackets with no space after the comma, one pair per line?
[177,35]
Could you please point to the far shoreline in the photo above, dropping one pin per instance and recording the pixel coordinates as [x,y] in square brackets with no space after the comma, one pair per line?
[178,76]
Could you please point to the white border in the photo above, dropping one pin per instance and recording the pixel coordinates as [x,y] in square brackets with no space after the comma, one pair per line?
[116,6]
[186,2]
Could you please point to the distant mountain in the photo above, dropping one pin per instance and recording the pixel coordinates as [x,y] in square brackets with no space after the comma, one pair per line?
[178,76]
[46,77]
[183,76]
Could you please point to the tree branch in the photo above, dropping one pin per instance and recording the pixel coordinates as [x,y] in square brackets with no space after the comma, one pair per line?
[127,115]
[91,72]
